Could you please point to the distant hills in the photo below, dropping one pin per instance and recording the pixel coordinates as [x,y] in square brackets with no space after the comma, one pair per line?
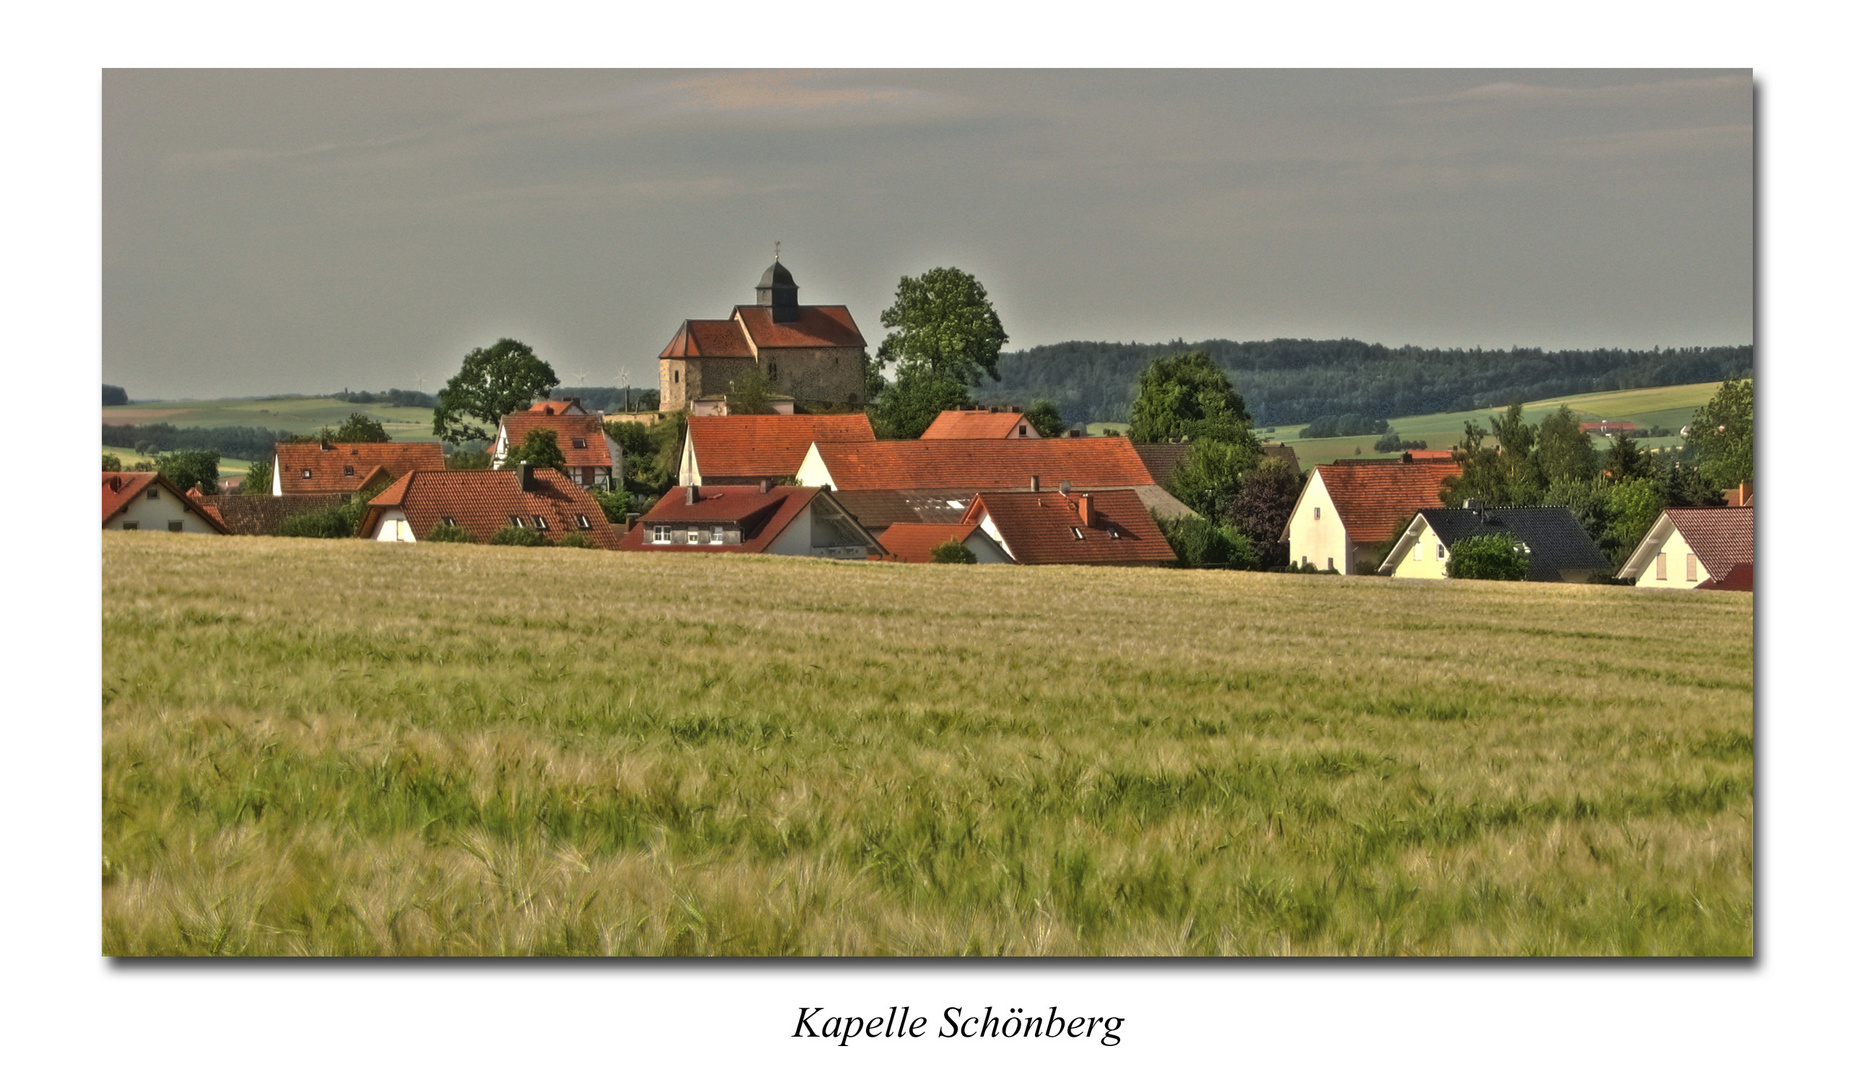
[1288,381]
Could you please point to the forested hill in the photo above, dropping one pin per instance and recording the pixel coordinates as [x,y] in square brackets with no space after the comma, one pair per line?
[1290,382]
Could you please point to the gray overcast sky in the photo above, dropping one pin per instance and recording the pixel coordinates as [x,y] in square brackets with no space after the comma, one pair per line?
[286,231]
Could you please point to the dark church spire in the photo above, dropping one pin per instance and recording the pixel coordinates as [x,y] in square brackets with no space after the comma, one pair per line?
[777,290]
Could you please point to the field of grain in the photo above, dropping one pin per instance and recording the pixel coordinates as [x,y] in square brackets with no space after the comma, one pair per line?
[336,747]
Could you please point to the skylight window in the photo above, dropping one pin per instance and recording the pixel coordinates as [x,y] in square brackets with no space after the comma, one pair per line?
[1076,529]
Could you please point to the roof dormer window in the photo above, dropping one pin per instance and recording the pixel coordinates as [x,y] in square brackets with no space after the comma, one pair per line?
[451,521]
[584,521]
[1076,529]
[347,470]
[579,444]
[305,474]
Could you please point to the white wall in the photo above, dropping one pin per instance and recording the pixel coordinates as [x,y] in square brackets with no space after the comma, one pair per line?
[1315,533]
[1676,549]
[154,515]
[394,528]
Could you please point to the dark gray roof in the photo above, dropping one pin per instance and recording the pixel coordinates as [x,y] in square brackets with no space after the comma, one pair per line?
[1557,541]
[776,274]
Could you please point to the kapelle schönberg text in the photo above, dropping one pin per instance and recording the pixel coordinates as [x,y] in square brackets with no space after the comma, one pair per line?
[902,1022]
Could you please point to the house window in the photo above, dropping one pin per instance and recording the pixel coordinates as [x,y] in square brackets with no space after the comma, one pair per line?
[1076,529]
[1023,430]
[584,521]
[540,523]
[659,534]
[175,526]
[347,470]
[695,536]
[719,536]
[676,376]
[305,474]
[1692,567]
[515,520]
[1113,533]
[1316,513]
[131,526]
[154,492]
[1660,567]
[579,444]
[1440,552]
[451,521]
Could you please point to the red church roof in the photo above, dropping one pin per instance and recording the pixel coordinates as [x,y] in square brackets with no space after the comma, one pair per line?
[819,326]
[707,337]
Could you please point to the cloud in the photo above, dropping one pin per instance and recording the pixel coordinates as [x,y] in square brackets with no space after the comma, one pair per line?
[1497,96]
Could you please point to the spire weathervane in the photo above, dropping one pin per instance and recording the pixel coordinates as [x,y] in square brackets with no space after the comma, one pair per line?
[775,251]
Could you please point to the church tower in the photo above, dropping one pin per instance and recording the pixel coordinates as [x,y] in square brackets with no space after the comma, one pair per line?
[777,290]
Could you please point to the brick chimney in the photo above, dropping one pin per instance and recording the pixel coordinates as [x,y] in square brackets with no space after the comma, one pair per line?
[1087,511]
[526,472]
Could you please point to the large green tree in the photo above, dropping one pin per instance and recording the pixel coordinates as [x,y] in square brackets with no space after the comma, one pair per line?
[187,469]
[1210,479]
[1045,418]
[944,336]
[1564,450]
[1188,396]
[1719,437]
[494,382]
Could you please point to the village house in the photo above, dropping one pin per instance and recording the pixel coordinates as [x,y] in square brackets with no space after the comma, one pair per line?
[1348,508]
[749,449]
[989,423]
[593,458]
[933,480]
[319,468]
[752,519]
[482,501]
[144,501]
[1695,547]
[1557,547]
[807,353]
[914,541]
[1099,528]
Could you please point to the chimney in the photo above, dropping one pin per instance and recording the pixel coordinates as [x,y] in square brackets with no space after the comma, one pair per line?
[1087,511]
[325,445]
[691,495]
[765,486]
[630,521]
[526,472]
[1036,482]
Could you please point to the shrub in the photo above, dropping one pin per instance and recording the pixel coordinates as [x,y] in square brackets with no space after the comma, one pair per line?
[258,478]
[615,504]
[450,534]
[112,463]
[576,540]
[328,523]
[1199,542]
[952,551]
[467,460]
[518,536]
[1491,557]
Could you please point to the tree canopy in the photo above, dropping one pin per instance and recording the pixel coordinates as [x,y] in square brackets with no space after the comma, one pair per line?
[187,469]
[1720,435]
[1045,418]
[259,477]
[1188,396]
[359,427]
[1489,557]
[539,448]
[494,382]
[944,336]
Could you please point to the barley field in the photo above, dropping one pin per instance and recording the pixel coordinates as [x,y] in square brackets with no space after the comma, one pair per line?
[336,747]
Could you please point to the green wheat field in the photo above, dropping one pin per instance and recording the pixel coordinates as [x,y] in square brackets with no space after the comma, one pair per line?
[337,747]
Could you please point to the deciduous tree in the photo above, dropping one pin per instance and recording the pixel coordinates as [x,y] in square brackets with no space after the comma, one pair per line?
[494,382]
[1188,396]
[359,427]
[539,448]
[1719,437]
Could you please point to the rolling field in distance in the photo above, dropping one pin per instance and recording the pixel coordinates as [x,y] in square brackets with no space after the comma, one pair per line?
[304,416]
[338,747]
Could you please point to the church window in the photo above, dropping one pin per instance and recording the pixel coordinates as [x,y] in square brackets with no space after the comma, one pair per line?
[676,375]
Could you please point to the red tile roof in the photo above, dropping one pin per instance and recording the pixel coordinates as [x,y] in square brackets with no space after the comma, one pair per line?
[761,516]
[1039,527]
[979,464]
[1738,579]
[821,326]
[1424,455]
[751,447]
[329,469]
[707,337]
[564,407]
[566,428]
[1373,496]
[480,501]
[1720,535]
[974,424]
[914,542]
[122,488]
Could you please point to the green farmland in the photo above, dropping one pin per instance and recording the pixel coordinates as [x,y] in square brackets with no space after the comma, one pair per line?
[304,416]
[338,747]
